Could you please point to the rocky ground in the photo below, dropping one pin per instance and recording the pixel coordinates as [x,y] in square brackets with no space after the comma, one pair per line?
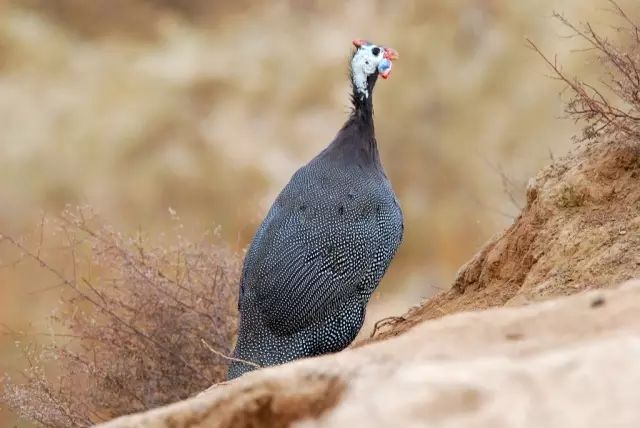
[543,360]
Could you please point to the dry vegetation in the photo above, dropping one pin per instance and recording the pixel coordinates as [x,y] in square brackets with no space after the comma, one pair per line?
[135,115]
[610,107]
[143,325]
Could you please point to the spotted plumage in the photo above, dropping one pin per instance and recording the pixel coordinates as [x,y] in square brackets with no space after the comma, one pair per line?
[325,243]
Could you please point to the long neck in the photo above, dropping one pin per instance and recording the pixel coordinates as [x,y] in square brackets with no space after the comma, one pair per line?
[362,113]
[356,141]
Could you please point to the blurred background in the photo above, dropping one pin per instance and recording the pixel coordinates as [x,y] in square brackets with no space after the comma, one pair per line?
[140,108]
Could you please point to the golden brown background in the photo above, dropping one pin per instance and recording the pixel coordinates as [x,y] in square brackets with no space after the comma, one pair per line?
[207,107]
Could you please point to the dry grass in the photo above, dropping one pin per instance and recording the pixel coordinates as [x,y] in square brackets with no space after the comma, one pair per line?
[140,325]
[610,107]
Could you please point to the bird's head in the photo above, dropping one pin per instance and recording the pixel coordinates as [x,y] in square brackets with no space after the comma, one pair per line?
[370,61]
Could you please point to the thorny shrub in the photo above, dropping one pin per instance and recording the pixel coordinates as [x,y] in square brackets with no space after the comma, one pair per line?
[612,106]
[146,325]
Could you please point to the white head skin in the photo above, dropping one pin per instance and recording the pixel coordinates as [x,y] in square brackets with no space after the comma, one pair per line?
[367,60]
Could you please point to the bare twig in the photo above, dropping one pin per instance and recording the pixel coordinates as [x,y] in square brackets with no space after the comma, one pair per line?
[226,357]
[131,337]
[384,322]
[619,115]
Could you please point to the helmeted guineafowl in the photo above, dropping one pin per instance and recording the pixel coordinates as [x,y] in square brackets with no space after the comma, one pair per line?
[325,243]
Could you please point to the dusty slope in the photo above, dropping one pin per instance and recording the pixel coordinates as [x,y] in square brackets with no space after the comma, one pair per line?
[580,230]
[567,362]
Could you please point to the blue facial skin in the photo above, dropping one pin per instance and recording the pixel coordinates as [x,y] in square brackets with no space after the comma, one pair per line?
[384,65]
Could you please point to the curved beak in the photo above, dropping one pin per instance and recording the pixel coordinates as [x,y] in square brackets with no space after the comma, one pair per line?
[391,54]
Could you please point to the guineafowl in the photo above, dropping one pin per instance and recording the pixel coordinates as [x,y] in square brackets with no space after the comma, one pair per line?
[325,243]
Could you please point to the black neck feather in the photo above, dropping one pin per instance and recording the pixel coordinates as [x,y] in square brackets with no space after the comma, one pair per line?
[362,113]
[356,141]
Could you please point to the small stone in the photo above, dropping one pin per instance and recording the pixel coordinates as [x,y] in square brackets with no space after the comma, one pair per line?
[514,336]
[597,302]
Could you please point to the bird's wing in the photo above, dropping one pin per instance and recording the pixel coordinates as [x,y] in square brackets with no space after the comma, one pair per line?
[305,270]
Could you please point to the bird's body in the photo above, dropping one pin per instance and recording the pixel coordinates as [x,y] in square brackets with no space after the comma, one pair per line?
[320,252]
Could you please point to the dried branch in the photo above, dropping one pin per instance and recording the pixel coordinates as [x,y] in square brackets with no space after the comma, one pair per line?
[616,113]
[228,358]
[131,329]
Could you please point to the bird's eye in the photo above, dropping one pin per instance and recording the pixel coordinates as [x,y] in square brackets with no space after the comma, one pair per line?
[375,51]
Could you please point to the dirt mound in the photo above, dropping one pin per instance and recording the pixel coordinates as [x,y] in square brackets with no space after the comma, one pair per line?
[580,230]
[273,403]
[568,362]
